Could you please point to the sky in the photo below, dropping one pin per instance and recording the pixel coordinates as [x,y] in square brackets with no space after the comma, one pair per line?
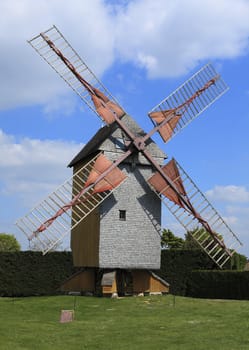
[141,50]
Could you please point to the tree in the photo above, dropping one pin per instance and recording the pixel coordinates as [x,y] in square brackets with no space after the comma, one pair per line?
[170,241]
[190,242]
[8,243]
[238,262]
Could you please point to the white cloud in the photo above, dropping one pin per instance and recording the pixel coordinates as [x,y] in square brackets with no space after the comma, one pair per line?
[25,79]
[238,210]
[30,168]
[229,193]
[238,220]
[166,38]
[60,105]
[233,203]
[169,37]
[230,220]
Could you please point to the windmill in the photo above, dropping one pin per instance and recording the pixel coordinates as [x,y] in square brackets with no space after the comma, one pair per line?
[112,203]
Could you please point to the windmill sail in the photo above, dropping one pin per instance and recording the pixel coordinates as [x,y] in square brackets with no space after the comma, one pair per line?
[198,217]
[64,209]
[187,102]
[58,53]
[50,221]
[162,187]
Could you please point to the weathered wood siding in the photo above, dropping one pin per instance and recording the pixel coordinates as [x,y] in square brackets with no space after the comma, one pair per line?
[83,281]
[145,282]
[85,241]
[85,237]
[157,286]
[141,281]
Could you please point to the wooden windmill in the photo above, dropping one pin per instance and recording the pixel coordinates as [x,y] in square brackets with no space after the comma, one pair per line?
[112,203]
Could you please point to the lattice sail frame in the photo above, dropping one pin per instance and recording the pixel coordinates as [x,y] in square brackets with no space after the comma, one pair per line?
[220,255]
[45,51]
[189,100]
[46,237]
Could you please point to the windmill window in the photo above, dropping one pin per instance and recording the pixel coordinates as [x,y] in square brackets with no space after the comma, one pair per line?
[122,215]
[119,143]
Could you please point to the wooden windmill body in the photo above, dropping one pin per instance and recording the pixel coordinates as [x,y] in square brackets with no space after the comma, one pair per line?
[112,203]
[124,231]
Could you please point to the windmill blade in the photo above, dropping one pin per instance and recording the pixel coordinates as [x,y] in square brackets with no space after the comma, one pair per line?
[59,54]
[199,218]
[187,102]
[50,221]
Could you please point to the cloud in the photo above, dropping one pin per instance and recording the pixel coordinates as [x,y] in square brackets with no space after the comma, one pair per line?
[25,79]
[230,220]
[229,193]
[233,203]
[31,168]
[238,210]
[165,38]
[60,105]
[171,37]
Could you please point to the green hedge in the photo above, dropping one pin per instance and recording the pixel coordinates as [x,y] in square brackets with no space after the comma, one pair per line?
[219,285]
[31,273]
[177,265]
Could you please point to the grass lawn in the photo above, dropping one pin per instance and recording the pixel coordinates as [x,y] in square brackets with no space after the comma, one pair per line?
[128,323]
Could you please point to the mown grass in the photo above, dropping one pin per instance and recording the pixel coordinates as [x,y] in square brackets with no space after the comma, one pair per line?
[128,323]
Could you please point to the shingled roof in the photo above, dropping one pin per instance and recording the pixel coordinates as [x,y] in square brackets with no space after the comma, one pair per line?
[106,132]
[92,146]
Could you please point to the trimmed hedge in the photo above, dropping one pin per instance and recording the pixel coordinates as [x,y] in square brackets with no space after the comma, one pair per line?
[177,266]
[31,273]
[219,285]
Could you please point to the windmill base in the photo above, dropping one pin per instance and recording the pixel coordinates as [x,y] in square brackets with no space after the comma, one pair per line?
[113,283]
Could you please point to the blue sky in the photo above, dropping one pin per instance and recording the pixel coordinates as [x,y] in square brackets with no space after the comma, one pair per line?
[142,51]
